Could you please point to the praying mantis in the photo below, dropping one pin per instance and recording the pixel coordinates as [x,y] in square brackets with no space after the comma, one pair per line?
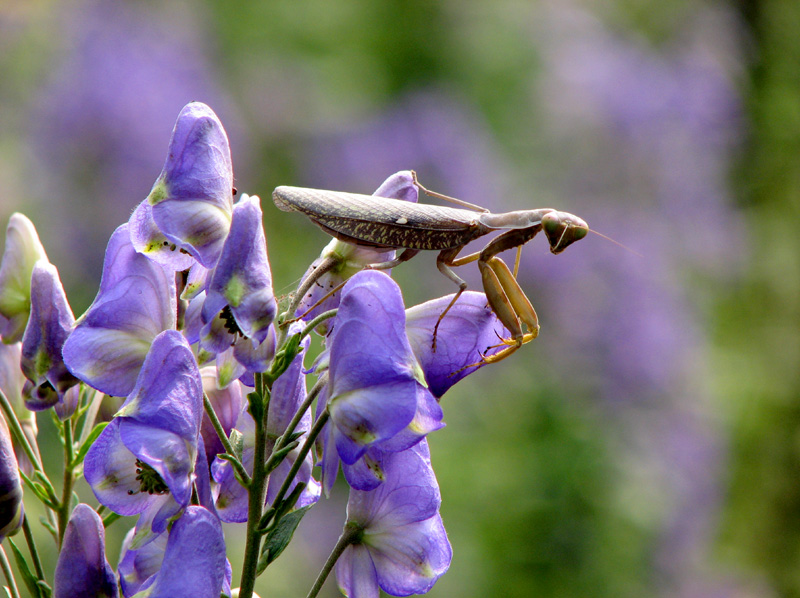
[386,223]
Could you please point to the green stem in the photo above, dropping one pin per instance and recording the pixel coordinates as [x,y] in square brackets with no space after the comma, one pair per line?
[226,443]
[9,575]
[16,429]
[69,479]
[257,496]
[312,394]
[349,534]
[326,265]
[298,462]
[31,542]
[326,315]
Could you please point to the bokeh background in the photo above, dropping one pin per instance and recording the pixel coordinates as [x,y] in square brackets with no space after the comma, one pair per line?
[648,442]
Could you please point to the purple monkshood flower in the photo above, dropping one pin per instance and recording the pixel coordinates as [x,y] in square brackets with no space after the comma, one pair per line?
[352,258]
[11,507]
[288,392]
[136,301]
[22,250]
[240,289]
[49,325]
[469,331]
[188,211]
[189,561]
[400,544]
[143,462]
[82,568]
[374,378]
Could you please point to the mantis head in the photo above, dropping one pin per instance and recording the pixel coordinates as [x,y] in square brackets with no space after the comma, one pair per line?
[563,229]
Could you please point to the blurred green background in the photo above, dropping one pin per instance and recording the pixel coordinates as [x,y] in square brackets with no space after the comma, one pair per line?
[648,442]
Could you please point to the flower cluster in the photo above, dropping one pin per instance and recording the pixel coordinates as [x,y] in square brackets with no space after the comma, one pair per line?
[219,418]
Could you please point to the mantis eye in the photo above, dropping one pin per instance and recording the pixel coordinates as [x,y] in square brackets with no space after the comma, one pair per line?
[563,229]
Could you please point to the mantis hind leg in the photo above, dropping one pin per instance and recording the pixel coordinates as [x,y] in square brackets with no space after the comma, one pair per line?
[511,307]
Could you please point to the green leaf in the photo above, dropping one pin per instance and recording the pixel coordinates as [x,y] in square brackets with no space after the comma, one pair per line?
[45,589]
[278,456]
[38,490]
[27,576]
[88,443]
[278,539]
[237,442]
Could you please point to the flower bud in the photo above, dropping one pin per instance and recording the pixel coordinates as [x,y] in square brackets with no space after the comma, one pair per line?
[23,249]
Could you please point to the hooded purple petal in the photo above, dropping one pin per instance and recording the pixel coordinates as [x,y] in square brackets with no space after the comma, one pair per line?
[22,250]
[468,331]
[193,197]
[194,561]
[82,568]
[148,240]
[136,301]
[373,373]
[49,325]
[241,280]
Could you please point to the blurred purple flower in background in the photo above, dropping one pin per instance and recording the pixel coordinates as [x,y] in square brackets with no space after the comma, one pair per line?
[655,178]
[122,72]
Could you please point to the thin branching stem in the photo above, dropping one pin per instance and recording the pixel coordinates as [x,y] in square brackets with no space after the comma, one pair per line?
[226,443]
[301,455]
[8,573]
[257,495]
[69,479]
[34,551]
[349,534]
[16,429]
[324,266]
[312,394]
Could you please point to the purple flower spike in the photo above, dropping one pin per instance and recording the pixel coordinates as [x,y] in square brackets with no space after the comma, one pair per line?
[23,249]
[352,258]
[192,199]
[241,281]
[373,372]
[82,568]
[401,546]
[136,301]
[143,462]
[49,325]
[466,334]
